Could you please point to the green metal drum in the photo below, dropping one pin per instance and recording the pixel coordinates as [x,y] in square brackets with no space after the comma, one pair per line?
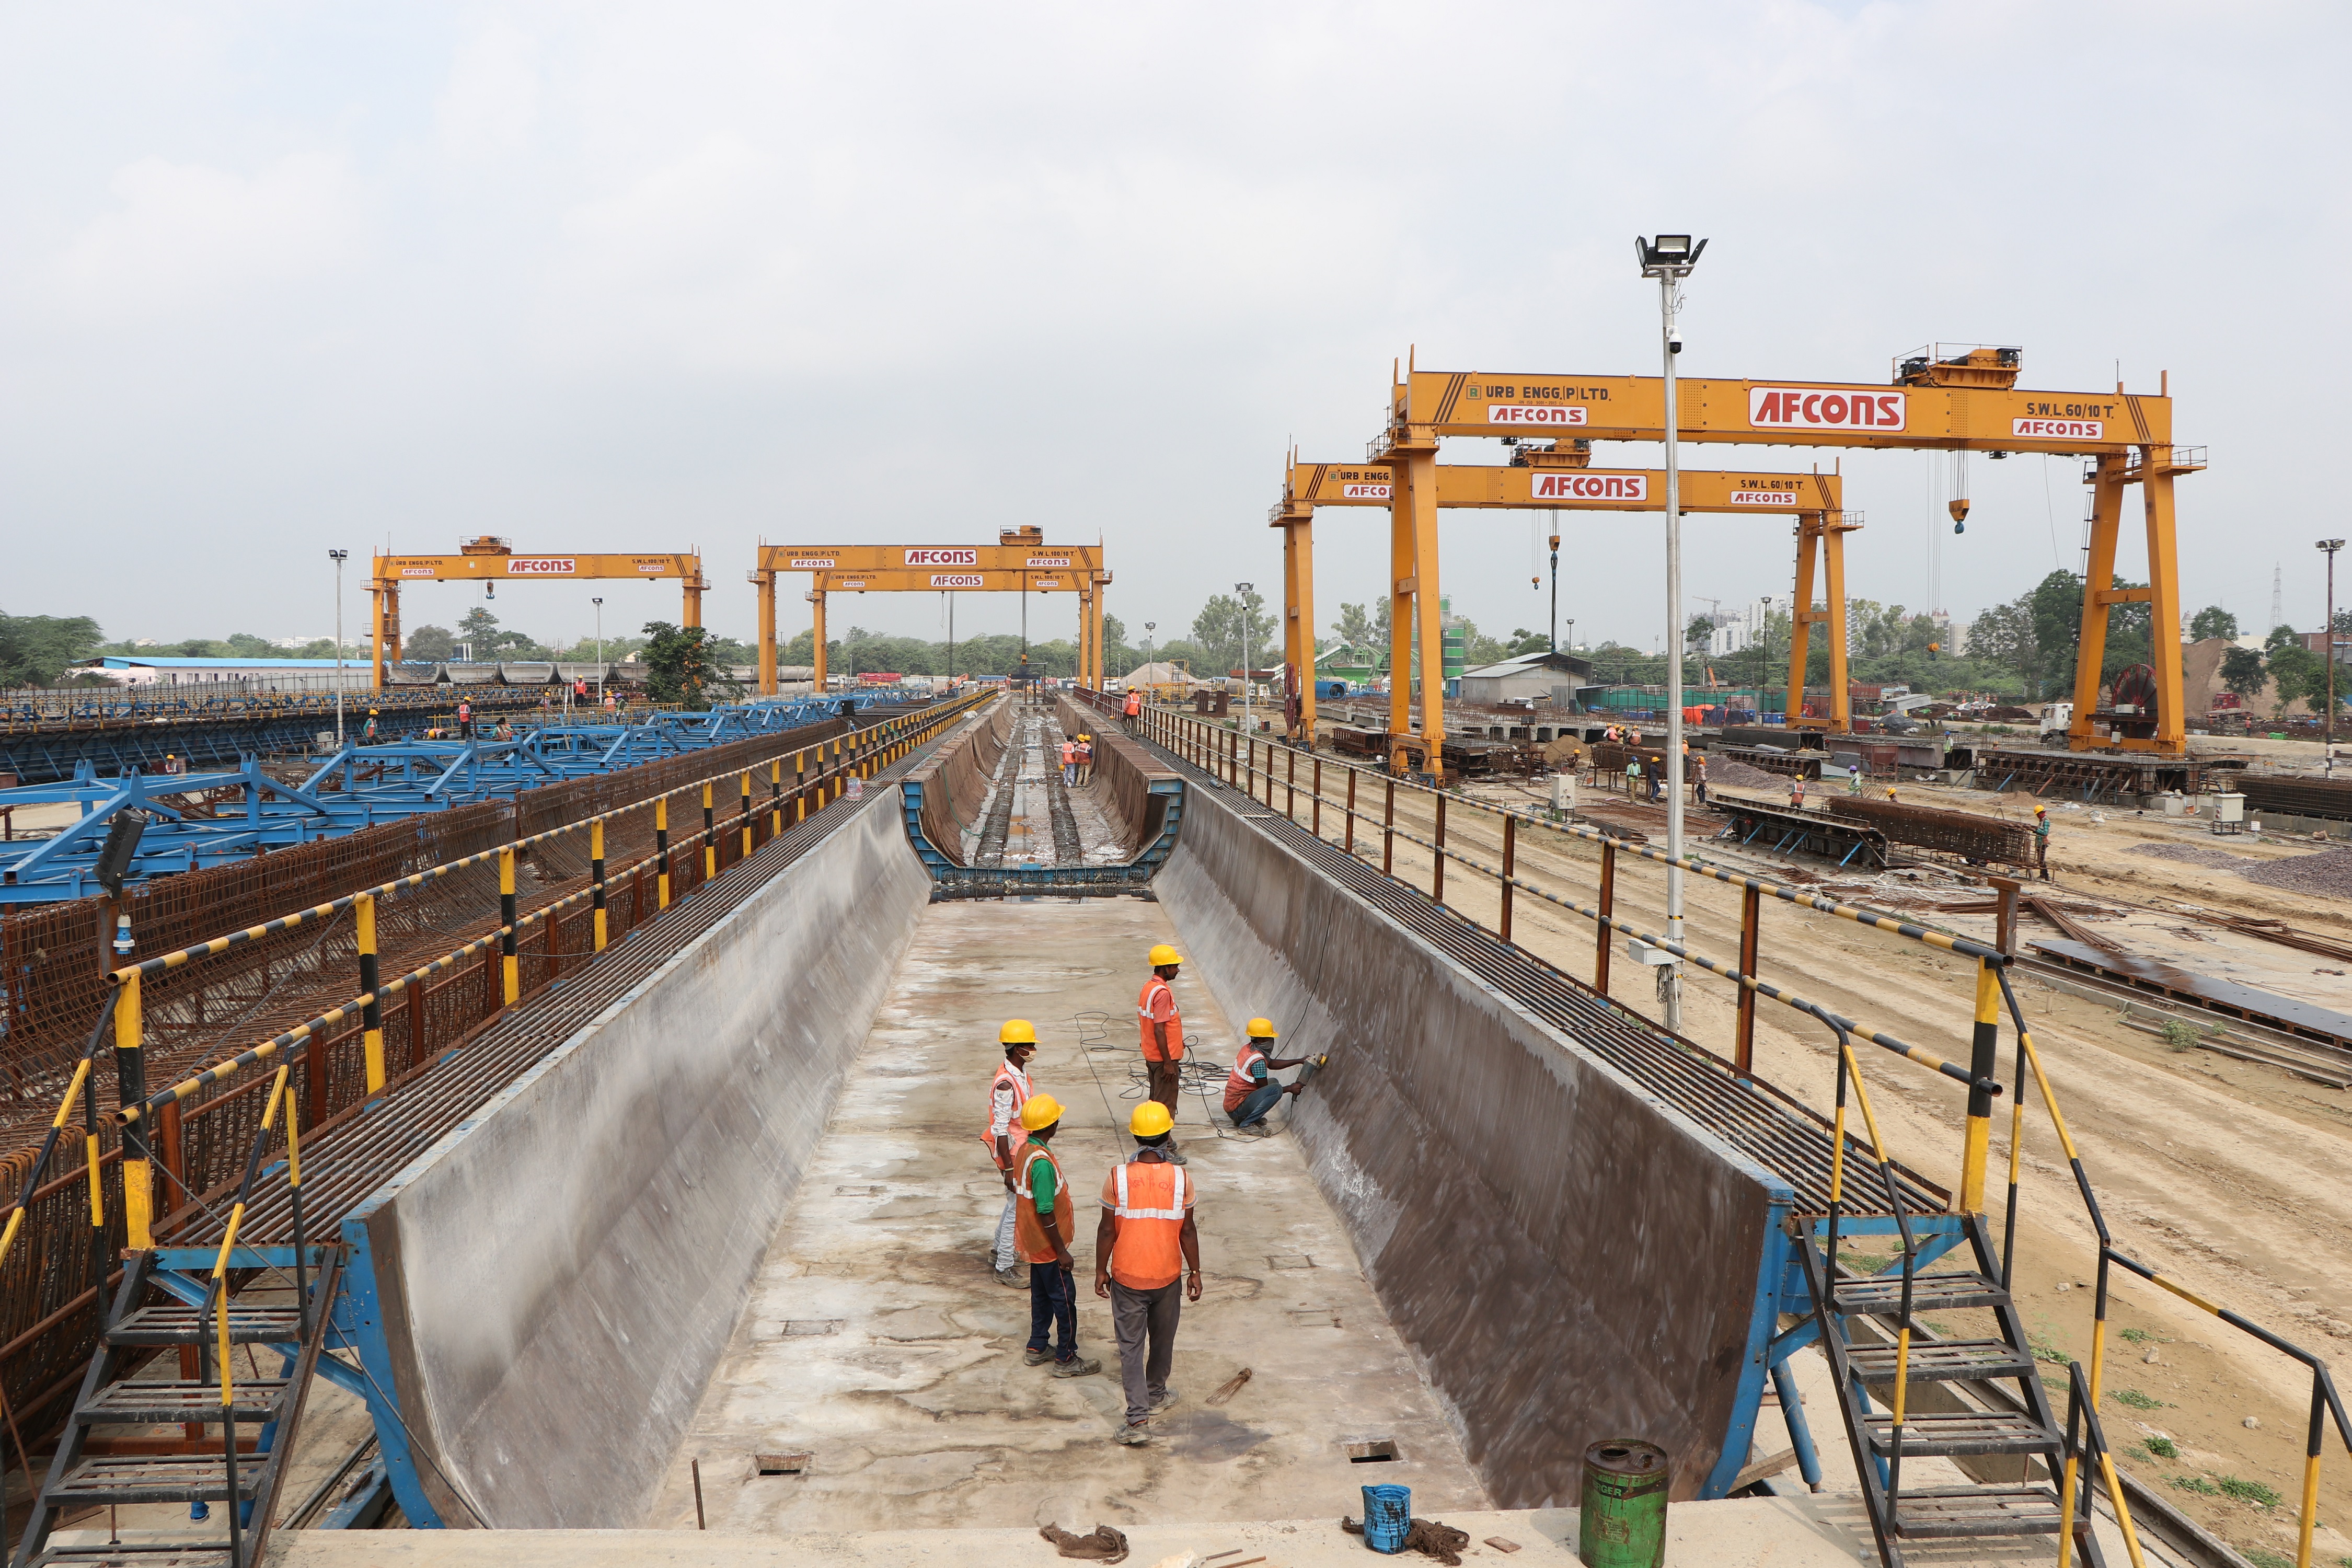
[1621,1521]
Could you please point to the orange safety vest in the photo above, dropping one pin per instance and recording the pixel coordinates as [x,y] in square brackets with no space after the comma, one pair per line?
[1069,752]
[1238,1083]
[1006,1073]
[1134,703]
[1028,1229]
[1149,1219]
[1154,988]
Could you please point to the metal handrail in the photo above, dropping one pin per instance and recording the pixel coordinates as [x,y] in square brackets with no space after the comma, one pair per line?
[2325,1404]
[312,1028]
[1848,1069]
[74,1087]
[219,944]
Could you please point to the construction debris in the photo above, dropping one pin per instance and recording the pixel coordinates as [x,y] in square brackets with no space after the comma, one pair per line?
[1429,1537]
[1230,1388]
[1105,1545]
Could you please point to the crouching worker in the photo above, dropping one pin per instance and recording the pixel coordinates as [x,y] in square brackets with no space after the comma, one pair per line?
[1044,1224]
[1252,1091]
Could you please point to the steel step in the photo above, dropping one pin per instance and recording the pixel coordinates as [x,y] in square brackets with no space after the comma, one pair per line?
[1962,1432]
[177,1323]
[1942,1512]
[1941,1361]
[1882,1293]
[160,1478]
[158,1404]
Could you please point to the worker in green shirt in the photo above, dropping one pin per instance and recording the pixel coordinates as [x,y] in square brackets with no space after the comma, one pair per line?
[1044,1222]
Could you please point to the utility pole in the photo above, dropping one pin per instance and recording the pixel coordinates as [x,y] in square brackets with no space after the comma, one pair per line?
[2327,652]
[600,651]
[1244,590]
[1669,258]
[338,557]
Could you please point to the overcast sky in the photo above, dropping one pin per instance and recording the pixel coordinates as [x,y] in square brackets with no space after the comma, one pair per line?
[277,277]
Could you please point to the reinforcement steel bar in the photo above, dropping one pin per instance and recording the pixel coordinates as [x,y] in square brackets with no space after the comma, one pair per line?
[1961,833]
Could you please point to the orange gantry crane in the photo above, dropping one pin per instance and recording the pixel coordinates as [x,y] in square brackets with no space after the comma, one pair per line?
[1557,475]
[489,560]
[1020,562]
[1961,401]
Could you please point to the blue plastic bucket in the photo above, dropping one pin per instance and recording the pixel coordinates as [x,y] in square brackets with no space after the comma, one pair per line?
[1387,1515]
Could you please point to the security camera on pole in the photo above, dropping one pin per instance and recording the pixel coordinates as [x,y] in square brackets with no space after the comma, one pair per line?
[1669,258]
[1244,590]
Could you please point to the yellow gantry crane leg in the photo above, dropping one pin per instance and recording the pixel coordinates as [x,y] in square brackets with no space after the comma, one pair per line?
[2098,592]
[1820,535]
[765,582]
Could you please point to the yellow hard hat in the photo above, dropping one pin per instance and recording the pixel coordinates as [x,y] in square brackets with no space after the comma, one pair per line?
[1164,953]
[1261,1029]
[1017,1032]
[1040,1111]
[1150,1120]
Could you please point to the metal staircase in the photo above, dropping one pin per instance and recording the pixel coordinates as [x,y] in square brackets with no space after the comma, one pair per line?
[80,1480]
[1897,1355]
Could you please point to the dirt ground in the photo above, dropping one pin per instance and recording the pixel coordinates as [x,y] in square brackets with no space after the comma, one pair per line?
[2223,1175]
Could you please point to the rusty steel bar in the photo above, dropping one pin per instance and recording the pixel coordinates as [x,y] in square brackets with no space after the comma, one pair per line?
[1608,907]
[1510,864]
[1437,861]
[1751,920]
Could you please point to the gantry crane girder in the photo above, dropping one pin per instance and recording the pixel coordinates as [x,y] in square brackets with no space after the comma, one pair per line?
[491,560]
[1020,562]
[1556,476]
[1934,403]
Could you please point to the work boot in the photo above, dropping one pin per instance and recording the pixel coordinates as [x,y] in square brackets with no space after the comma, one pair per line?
[1175,1155]
[1135,1434]
[1163,1399]
[1076,1366]
[1015,1277]
[1035,1357]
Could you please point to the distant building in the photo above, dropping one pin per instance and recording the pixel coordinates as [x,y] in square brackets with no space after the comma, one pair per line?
[1740,628]
[270,674]
[1531,676]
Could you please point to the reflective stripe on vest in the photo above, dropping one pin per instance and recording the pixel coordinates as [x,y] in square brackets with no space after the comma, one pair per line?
[1153,989]
[1006,1075]
[1124,1211]
[1021,1183]
[1251,1056]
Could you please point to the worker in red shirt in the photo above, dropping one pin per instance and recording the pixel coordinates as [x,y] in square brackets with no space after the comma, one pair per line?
[1164,1033]
[1252,1091]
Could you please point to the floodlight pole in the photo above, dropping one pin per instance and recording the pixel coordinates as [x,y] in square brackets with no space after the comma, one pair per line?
[1243,590]
[600,650]
[1669,258]
[338,557]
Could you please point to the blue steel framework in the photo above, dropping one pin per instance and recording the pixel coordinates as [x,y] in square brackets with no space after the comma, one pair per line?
[357,786]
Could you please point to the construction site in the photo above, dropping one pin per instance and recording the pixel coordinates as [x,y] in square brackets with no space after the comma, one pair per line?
[548,1136]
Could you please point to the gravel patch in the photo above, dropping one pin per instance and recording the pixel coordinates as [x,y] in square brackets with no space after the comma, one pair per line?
[2328,873]
[1730,771]
[2193,855]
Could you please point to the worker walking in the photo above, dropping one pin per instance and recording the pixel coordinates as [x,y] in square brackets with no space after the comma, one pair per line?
[367,736]
[1252,1091]
[1797,793]
[1069,761]
[1854,780]
[2041,841]
[1163,1035]
[1007,1093]
[1633,775]
[1047,1220]
[1698,778]
[1134,708]
[1085,759]
[1147,1241]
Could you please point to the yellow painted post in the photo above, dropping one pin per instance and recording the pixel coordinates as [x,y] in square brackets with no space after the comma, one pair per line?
[1983,1062]
[775,796]
[509,963]
[709,839]
[372,1020]
[138,1164]
[747,813]
[661,852]
[596,871]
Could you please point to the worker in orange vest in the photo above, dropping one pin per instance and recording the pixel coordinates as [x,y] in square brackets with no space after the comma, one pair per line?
[1135,707]
[1252,1091]
[1048,1219]
[1007,1093]
[1085,756]
[1164,1033]
[464,719]
[1069,761]
[1146,1242]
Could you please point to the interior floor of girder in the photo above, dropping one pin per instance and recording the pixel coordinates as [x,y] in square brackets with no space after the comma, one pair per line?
[876,1342]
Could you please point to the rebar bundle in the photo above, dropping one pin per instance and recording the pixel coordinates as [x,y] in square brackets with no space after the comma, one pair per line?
[1961,833]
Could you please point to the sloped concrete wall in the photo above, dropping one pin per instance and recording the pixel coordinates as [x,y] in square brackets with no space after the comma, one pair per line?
[559,1275]
[1571,1259]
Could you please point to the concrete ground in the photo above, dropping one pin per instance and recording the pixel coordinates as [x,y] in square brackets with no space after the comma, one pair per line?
[877,1342]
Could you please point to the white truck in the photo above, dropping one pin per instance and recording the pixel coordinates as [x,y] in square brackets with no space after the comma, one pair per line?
[2056,720]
